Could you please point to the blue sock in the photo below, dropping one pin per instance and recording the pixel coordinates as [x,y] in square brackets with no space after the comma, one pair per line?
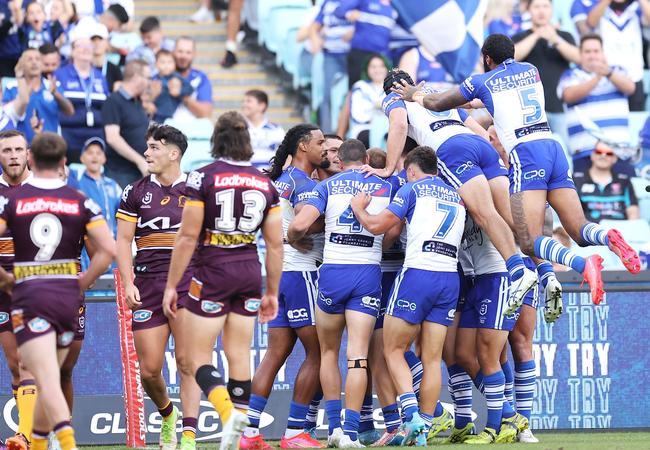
[416,370]
[461,385]
[366,423]
[515,266]
[333,411]
[525,387]
[508,409]
[297,414]
[494,384]
[312,414]
[427,420]
[351,423]
[544,271]
[594,234]
[439,410]
[478,381]
[391,417]
[409,405]
[508,391]
[256,406]
[551,250]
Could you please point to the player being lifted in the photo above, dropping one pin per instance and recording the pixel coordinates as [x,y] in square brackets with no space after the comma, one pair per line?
[539,172]
[48,221]
[150,212]
[229,201]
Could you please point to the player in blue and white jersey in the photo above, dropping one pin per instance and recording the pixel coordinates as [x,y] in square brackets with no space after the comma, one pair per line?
[424,296]
[466,161]
[295,320]
[349,284]
[514,96]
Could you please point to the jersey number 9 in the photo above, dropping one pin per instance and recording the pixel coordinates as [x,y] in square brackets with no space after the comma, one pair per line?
[46,232]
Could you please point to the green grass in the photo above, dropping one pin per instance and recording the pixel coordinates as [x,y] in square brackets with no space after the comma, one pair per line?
[548,441]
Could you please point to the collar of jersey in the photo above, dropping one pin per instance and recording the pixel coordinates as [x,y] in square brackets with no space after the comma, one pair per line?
[180,179]
[46,183]
[235,163]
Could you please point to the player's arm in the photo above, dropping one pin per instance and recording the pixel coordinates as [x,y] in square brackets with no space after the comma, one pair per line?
[300,225]
[101,240]
[476,127]
[272,233]
[374,223]
[594,16]
[391,236]
[525,46]
[434,101]
[397,132]
[126,226]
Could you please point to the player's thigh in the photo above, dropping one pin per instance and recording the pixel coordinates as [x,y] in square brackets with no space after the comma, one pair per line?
[477,197]
[433,338]
[566,204]
[150,344]
[72,356]
[330,329]
[202,332]
[449,348]
[309,339]
[528,211]
[499,188]
[40,357]
[360,327]
[398,334]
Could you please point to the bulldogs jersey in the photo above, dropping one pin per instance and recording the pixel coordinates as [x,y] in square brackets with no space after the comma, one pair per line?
[392,259]
[483,254]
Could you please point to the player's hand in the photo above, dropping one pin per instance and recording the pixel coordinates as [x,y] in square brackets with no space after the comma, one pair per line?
[155,88]
[170,300]
[304,244]
[268,308]
[549,33]
[51,79]
[174,85]
[353,16]
[406,91]
[143,167]
[84,282]
[7,283]
[132,297]
[383,173]
[360,201]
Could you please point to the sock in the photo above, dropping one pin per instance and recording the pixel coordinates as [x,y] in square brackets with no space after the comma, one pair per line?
[391,417]
[240,393]
[351,423]
[525,387]
[515,266]
[26,402]
[366,422]
[409,405]
[416,370]
[215,389]
[296,420]
[333,411]
[478,382]
[255,409]
[39,440]
[508,391]
[312,414]
[508,410]
[428,420]
[167,410]
[439,410]
[231,46]
[14,391]
[544,272]
[461,385]
[552,250]
[494,385]
[189,427]
[594,234]
[65,435]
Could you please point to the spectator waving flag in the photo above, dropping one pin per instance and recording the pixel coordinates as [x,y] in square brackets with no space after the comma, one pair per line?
[452,30]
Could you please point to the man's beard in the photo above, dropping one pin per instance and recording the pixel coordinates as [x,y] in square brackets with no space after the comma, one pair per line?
[486,68]
[325,164]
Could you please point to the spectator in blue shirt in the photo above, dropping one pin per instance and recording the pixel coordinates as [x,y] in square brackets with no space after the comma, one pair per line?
[373,21]
[37,30]
[153,41]
[50,59]
[171,85]
[9,44]
[500,20]
[199,104]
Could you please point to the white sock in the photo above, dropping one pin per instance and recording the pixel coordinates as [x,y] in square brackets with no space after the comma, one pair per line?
[251,432]
[291,432]
[231,46]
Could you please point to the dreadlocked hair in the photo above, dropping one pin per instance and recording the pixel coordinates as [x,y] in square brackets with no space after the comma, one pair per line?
[288,147]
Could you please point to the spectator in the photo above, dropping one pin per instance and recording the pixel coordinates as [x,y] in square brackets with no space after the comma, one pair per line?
[153,41]
[373,21]
[114,18]
[50,59]
[594,92]
[45,100]
[499,18]
[86,88]
[332,35]
[423,66]
[265,135]
[10,50]
[203,14]
[551,51]
[112,73]
[365,99]
[199,104]
[605,193]
[37,30]
[169,87]
[125,125]
[13,112]
[619,24]
[232,28]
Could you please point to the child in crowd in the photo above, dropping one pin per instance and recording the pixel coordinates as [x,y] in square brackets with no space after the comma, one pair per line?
[172,86]
[37,30]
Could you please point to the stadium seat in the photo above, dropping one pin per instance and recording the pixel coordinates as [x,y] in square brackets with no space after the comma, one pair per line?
[637,120]
[338,95]
[198,134]
[378,130]
[635,232]
[275,17]
[317,81]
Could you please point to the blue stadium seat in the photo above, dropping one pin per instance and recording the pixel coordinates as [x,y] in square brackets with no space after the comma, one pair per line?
[317,81]
[275,17]
[637,120]
[198,134]
[378,130]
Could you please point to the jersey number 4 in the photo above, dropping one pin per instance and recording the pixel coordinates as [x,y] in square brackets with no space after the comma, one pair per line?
[347,218]
[530,103]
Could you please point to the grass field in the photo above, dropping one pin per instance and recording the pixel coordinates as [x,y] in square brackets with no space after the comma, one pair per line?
[548,441]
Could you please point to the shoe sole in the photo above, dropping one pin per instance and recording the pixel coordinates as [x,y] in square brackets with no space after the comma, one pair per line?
[618,245]
[551,315]
[512,308]
[231,441]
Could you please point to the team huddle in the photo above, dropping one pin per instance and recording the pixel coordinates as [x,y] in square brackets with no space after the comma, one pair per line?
[434,251]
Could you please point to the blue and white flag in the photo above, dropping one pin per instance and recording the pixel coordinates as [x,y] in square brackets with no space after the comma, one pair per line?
[452,30]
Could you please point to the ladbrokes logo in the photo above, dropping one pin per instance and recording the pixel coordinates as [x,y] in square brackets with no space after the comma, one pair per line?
[37,205]
[237,180]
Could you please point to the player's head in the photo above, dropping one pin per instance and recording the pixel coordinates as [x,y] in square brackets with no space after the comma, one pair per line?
[48,152]
[496,49]
[421,162]
[331,147]
[352,152]
[230,138]
[165,148]
[13,155]
[304,143]
[376,158]
[396,76]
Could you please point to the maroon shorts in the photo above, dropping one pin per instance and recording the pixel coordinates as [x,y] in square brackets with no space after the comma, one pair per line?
[43,306]
[5,312]
[150,314]
[230,287]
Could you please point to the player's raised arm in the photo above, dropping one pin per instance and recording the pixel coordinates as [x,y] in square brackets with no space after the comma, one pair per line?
[375,223]
[272,233]
[435,101]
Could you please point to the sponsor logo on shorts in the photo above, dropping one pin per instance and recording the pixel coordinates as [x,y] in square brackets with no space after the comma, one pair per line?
[297,314]
[537,174]
[209,307]
[451,314]
[38,325]
[142,315]
[326,300]
[252,304]
[405,304]
[82,322]
[65,338]
[463,167]
[371,302]
[17,322]
[4,318]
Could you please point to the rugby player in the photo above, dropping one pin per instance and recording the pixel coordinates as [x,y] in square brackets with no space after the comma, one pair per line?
[228,202]
[539,172]
[331,148]
[297,299]
[424,295]
[349,285]
[150,211]
[48,221]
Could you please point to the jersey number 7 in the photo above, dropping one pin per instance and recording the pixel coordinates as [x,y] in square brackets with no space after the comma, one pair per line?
[450,211]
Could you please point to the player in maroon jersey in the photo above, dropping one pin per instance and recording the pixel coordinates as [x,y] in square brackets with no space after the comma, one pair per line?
[150,212]
[48,221]
[228,201]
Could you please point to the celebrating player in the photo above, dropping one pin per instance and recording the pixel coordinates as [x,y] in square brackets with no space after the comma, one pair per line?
[228,201]
[514,96]
[150,212]
[48,221]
